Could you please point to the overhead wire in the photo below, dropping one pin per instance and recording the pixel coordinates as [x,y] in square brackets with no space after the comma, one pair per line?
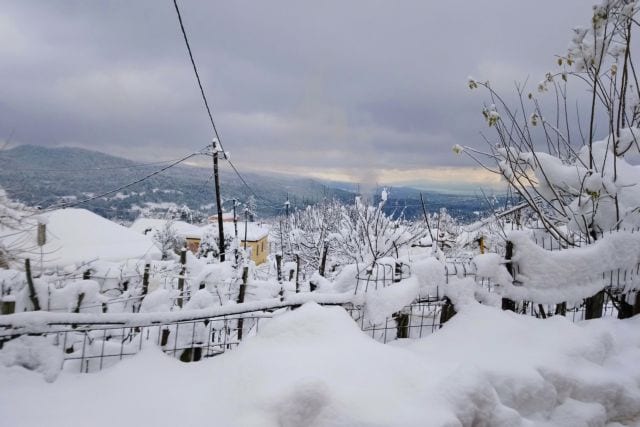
[122,187]
[209,113]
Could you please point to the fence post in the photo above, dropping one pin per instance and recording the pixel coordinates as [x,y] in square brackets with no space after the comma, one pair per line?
[626,310]
[279,267]
[508,304]
[183,271]
[593,306]
[243,287]
[636,305]
[323,262]
[397,272]
[33,296]
[79,303]
[402,324]
[297,273]
[143,293]
[447,312]
[561,309]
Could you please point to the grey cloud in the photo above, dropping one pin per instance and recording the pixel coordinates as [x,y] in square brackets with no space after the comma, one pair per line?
[346,85]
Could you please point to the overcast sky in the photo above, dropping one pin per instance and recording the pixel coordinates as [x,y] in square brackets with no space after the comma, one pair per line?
[369,90]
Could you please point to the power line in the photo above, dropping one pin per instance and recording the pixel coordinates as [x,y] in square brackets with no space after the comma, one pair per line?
[144,178]
[195,70]
[206,104]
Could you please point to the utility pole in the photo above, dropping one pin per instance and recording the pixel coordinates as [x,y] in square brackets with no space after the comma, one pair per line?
[286,205]
[235,218]
[246,219]
[216,179]
[235,230]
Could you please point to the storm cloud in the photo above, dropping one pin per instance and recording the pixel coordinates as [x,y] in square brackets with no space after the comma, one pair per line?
[358,90]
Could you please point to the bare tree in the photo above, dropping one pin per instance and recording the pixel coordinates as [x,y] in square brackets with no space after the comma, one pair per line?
[574,182]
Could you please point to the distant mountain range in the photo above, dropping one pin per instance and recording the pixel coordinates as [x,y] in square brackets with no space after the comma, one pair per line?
[41,176]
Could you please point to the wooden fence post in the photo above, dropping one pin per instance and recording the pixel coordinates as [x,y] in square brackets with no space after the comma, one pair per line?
[323,262]
[279,267]
[626,310]
[183,271]
[33,295]
[243,287]
[79,303]
[508,304]
[561,309]
[593,306]
[402,324]
[297,273]
[447,312]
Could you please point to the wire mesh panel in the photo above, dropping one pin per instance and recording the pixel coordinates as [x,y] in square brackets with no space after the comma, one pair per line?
[381,275]
[416,320]
[91,348]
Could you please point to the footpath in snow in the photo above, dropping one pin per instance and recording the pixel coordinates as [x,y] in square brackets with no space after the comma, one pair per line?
[314,367]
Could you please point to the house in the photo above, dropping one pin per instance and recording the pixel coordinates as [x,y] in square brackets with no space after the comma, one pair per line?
[77,236]
[192,234]
[256,240]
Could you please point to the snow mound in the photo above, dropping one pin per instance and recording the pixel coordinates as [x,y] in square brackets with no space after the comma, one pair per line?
[314,367]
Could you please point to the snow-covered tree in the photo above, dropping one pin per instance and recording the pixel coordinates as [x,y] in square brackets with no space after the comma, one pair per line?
[168,240]
[365,233]
[15,218]
[578,183]
[574,181]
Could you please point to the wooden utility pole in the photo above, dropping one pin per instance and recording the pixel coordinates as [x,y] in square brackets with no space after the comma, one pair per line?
[286,206]
[426,218]
[216,179]
[33,295]
[235,231]
[235,219]
[183,272]
[246,219]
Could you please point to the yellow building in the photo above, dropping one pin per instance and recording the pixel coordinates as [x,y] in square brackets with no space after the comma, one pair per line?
[256,240]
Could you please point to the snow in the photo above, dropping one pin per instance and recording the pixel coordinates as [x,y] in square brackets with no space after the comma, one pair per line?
[430,274]
[255,231]
[76,236]
[183,229]
[314,367]
[384,302]
[33,353]
[571,274]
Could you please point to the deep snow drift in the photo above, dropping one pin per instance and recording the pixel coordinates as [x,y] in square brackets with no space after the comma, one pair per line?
[314,367]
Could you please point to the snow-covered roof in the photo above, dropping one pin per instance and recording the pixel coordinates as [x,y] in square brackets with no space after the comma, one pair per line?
[182,229]
[255,231]
[226,216]
[75,236]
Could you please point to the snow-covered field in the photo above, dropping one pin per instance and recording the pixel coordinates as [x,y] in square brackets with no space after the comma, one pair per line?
[314,367]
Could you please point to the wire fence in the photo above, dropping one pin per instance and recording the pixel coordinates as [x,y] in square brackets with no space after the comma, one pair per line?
[93,346]
[90,346]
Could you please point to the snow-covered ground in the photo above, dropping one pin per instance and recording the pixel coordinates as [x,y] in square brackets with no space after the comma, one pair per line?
[314,367]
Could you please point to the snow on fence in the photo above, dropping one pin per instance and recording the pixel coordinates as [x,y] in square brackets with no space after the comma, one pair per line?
[92,342]
[541,283]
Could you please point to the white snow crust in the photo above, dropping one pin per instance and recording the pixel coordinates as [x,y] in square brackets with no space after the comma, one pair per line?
[314,367]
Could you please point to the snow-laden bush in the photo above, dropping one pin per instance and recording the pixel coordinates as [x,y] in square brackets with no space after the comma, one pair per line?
[574,180]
